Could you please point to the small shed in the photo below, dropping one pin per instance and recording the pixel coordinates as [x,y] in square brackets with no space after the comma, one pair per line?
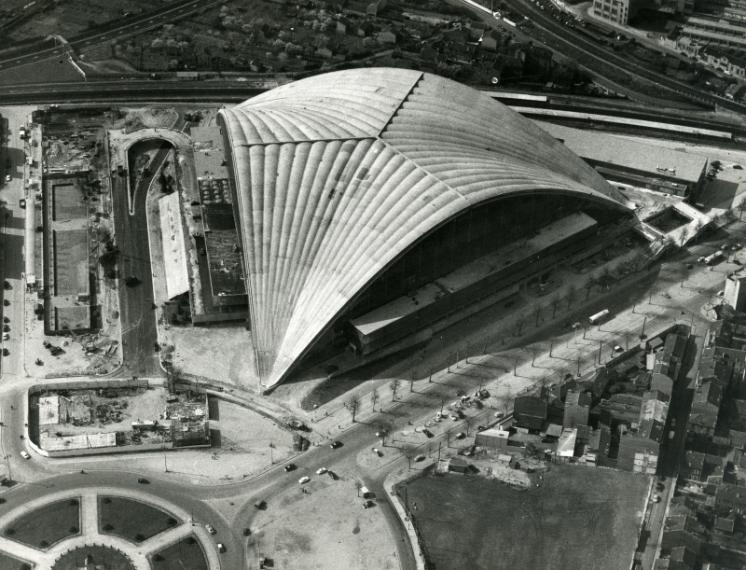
[458,465]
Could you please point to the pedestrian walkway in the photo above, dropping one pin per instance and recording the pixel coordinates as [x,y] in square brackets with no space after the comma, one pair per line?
[90,535]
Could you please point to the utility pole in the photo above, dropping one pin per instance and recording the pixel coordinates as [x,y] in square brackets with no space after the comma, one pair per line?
[600,348]
[578,367]
[439,444]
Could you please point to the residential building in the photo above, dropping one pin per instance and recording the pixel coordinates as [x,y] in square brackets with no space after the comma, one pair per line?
[705,409]
[493,438]
[530,412]
[577,408]
[638,453]
[734,292]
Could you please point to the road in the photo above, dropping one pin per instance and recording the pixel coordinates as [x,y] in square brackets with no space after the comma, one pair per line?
[596,57]
[116,30]
[138,317]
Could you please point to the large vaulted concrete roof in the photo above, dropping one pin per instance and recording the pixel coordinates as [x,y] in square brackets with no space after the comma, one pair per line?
[339,174]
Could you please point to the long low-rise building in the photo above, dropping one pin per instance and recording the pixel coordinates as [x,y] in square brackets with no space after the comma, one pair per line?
[497,274]
[620,159]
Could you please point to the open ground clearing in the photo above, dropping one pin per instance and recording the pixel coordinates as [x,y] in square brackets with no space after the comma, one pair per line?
[580,517]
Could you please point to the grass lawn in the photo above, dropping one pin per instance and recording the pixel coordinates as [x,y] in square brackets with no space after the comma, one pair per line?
[580,518]
[43,527]
[8,563]
[132,520]
[183,555]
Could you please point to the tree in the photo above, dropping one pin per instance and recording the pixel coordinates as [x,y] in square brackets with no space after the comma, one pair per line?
[571,295]
[741,207]
[555,305]
[519,326]
[394,385]
[353,405]
[374,398]
[588,287]
[468,422]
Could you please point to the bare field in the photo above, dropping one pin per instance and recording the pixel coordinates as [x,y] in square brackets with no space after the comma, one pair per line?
[327,528]
[580,517]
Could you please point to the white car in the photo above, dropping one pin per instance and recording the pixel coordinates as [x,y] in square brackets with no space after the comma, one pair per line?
[25,454]
[321,470]
[303,480]
[8,178]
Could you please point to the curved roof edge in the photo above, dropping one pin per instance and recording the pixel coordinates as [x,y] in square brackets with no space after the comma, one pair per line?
[339,175]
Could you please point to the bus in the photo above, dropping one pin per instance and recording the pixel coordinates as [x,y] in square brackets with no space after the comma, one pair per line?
[714,258]
[599,317]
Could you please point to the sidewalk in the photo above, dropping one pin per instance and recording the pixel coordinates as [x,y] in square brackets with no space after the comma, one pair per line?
[513,370]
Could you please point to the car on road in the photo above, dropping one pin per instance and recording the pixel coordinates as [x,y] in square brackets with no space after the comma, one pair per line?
[618,348]
[210,528]
[321,470]
[221,547]
[143,481]
[335,444]
[303,480]
[656,498]
[419,458]
[25,454]
[22,203]
[290,467]
[427,432]
[460,435]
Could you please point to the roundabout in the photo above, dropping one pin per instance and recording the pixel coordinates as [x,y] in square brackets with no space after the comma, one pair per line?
[103,528]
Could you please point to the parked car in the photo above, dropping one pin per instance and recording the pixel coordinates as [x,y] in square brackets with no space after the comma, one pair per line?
[419,458]
[321,470]
[427,433]
[143,481]
[290,467]
[22,203]
[210,528]
[221,547]
[303,480]
[335,444]
[368,504]
[25,454]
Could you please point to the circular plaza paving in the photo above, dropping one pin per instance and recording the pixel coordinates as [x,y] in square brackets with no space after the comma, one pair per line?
[106,528]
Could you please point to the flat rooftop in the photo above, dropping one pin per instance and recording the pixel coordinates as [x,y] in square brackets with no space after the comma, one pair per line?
[473,272]
[617,150]
[209,154]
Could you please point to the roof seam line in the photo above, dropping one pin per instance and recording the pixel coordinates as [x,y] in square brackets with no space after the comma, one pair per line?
[401,103]
[299,141]
[413,162]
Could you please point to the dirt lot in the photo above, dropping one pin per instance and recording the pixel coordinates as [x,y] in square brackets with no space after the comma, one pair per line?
[221,353]
[581,518]
[324,529]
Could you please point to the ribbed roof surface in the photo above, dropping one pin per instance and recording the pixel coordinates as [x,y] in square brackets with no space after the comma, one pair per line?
[339,174]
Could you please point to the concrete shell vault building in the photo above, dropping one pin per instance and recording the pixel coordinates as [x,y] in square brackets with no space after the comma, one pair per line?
[339,175]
